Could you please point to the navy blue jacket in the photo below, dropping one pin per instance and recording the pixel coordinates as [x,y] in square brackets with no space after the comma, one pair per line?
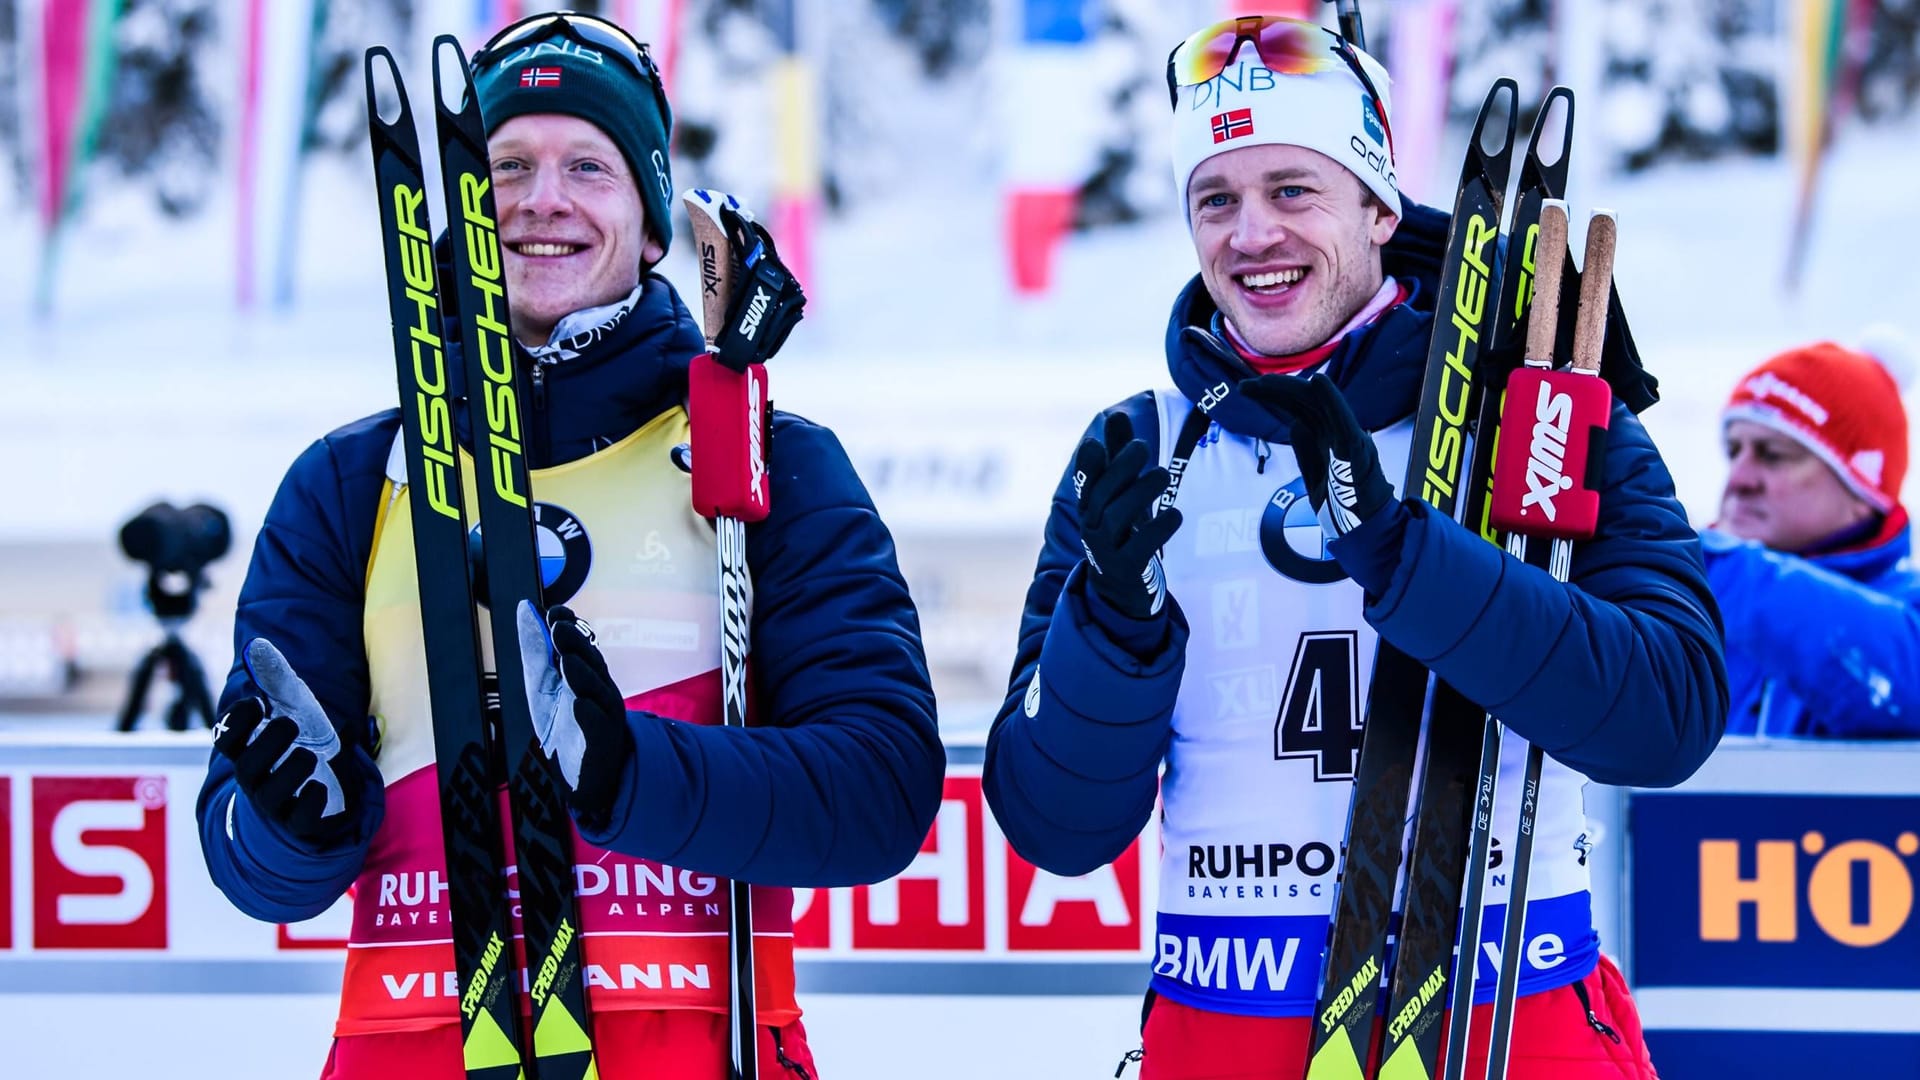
[1618,675]
[1825,646]
[840,788]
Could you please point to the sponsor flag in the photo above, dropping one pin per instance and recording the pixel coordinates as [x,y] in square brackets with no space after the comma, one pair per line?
[1829,46]
[490,15]
[279,97]
[658,23]
[1047,161]
[72,48]
[1420,55]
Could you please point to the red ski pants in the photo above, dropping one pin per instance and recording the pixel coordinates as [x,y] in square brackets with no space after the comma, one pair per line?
[628,1045]
[1552,1039]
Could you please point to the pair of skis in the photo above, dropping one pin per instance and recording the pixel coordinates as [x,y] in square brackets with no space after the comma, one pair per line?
[1483,305]
[468,754]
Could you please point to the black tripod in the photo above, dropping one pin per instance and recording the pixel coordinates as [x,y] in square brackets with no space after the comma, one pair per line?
[172,606]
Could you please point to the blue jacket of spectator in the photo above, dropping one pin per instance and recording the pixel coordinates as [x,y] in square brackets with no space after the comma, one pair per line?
[1824,646]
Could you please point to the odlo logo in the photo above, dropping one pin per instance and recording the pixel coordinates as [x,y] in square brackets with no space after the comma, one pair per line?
[1547,453]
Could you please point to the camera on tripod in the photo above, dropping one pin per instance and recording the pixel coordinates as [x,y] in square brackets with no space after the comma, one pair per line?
[177,544]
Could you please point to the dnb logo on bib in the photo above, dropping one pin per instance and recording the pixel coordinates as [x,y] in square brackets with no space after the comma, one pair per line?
[566,555]
[1292,540]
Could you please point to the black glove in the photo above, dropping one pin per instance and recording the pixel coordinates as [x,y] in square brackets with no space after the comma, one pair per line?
[1337,457]
[579,715]
[766,301]
[1118,528]
[287,757]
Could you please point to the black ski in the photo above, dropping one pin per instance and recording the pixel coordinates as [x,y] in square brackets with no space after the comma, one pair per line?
[1453,813]
[1351,980]
[496,390]
[482,921]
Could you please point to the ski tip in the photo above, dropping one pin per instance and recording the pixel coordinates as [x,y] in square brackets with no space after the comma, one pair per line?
[1550,146]
[1496,128]
[386,95]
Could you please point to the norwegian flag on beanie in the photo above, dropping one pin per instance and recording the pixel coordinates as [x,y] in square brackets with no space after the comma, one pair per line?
[1843,405]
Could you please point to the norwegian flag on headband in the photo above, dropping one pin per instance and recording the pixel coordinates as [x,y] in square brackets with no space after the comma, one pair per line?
[539,76]
[1232,124]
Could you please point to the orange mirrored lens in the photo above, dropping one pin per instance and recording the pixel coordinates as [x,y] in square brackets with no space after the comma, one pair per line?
[1287,46]
[1292,48]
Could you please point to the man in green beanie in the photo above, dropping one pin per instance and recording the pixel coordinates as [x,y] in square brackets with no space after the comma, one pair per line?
[838,782]
[596,111]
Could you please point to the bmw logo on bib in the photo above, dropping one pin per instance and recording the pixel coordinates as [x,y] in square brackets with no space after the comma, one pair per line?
[566,554]
[1292,540]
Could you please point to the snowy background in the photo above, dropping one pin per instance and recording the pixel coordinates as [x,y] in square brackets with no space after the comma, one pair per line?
[958,398]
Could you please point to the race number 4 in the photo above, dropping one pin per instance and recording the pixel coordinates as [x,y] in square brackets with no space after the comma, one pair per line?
[1320,710]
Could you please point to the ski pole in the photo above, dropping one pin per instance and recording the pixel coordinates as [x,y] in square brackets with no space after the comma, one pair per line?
[1348,12]
[727,413]
[1555,423]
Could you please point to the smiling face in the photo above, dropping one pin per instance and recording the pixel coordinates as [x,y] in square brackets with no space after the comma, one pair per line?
[1289,243]
[1779,493]
[570,220]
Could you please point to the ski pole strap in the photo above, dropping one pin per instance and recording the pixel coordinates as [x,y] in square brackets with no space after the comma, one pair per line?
[756,328]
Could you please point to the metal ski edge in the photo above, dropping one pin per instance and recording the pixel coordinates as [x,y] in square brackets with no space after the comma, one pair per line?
[1351,983]
[542,827]
[481,919]
[1452,811]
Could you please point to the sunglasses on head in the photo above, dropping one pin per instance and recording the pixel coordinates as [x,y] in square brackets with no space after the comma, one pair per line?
[1287,46]
[588,31]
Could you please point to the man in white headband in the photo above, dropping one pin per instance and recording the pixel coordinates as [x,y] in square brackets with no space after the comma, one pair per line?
[1237,654]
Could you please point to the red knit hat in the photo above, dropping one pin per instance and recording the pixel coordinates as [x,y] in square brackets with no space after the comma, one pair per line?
[1843,404]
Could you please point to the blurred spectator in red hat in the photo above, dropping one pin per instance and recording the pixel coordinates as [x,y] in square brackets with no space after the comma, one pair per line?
[1811,557]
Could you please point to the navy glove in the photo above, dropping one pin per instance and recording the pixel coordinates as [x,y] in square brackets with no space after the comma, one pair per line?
[1119,531]
[1341,468]
[767,301]
[579,715]
[1337,457]
[287,757]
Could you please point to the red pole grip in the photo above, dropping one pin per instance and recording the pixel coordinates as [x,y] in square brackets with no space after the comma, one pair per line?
[1552,425]
[727,411]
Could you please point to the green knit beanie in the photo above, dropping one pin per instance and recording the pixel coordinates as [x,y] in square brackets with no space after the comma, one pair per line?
[562,76]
